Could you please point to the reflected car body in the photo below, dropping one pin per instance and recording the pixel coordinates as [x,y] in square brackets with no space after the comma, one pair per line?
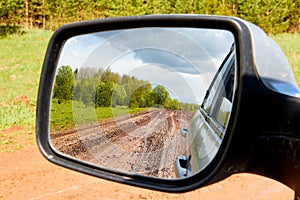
[209,123]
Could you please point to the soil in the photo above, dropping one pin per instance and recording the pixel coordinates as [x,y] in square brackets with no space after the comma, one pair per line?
[25,174]
[146,143]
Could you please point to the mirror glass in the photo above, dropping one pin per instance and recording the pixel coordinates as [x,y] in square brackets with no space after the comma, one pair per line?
[146,101]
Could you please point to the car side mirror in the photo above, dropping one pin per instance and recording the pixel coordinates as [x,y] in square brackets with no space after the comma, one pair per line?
[125,99]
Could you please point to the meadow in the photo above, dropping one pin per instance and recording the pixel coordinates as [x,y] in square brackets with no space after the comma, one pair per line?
[21,58]
[290,44]
[62,114]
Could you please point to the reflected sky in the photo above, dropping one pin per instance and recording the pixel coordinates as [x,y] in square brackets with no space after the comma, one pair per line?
[184,60]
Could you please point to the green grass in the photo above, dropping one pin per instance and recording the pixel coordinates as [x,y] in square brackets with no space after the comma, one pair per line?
[20,65]
[67,114]
[290,44]
[21,58]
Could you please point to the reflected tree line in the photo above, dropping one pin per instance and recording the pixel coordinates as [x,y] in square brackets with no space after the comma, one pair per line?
[99,88]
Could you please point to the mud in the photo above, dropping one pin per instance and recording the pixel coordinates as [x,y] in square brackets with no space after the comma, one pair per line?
[146,143]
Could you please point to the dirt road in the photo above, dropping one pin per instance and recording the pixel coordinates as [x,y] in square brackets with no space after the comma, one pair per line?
[27,175]
[146,143]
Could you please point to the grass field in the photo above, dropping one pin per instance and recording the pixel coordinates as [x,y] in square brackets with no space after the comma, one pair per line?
[290,44]
[20,65]
[62,115]
[21,59]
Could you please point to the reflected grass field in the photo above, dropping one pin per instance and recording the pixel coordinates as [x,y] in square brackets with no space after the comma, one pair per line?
[68,114]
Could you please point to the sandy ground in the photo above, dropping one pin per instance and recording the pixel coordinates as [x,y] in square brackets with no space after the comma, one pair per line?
[27,175]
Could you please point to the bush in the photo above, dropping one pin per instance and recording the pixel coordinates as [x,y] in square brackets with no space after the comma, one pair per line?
[272,15]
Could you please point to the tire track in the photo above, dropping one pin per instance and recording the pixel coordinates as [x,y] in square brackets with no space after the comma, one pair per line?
[146,143]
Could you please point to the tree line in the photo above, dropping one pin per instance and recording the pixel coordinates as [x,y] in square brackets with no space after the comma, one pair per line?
[271,15]
[101,88]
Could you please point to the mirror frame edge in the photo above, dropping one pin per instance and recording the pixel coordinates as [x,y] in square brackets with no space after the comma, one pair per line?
[212,173]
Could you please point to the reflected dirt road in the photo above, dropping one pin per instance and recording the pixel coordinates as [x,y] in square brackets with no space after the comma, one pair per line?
[146,143]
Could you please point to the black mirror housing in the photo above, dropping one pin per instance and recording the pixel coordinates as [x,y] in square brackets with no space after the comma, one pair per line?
[262,135]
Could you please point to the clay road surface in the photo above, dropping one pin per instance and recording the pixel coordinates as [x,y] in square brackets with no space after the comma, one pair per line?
[145,143]
[27,175]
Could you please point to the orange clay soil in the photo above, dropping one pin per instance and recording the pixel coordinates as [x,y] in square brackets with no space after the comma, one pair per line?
[27,175]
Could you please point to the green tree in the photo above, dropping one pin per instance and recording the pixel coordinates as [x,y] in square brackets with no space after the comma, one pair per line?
[119,96]
[64,83]
[10,16]
[160,95]
[139,97]
[172,104]
[149,98]
[103,94]
[109,76]
[272,16]
[87,92]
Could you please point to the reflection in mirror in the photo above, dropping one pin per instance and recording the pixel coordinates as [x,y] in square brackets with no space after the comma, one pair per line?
[138,100]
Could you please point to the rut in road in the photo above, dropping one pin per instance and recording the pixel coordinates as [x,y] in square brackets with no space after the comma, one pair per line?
[147,143]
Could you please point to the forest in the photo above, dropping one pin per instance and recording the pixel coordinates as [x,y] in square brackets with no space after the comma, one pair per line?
[108,89]
[271,15]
